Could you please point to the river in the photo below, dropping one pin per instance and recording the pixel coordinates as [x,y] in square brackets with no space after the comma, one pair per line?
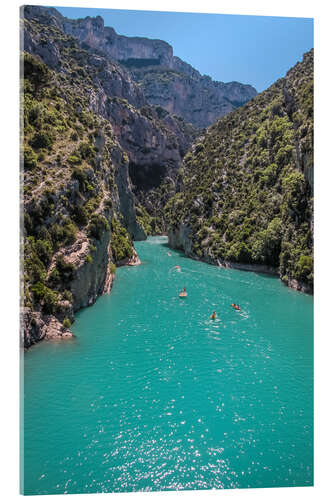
[154,395]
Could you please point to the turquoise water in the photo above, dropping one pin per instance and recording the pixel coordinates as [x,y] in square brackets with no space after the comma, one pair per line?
[153,395]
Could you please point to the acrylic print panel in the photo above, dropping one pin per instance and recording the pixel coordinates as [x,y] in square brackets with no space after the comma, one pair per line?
[168,184]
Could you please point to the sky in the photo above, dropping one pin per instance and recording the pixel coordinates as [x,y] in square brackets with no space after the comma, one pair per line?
[256,50]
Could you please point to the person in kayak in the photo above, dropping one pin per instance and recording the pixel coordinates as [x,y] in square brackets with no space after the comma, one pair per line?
[213,316]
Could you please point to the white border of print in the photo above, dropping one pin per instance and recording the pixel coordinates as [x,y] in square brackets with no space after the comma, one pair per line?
[9,199]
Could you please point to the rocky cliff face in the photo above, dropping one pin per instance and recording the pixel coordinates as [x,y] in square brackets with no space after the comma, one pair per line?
[108,72]
[86,125]
[245,190]
[164,79]
[79,210]
[198,99]
[155,141]
[180,238]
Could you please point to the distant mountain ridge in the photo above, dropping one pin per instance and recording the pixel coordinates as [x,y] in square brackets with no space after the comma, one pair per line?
[165,79]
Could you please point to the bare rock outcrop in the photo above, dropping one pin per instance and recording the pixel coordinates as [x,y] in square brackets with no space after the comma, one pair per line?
[37,326]
[152,140]
[164,79]
[179,238]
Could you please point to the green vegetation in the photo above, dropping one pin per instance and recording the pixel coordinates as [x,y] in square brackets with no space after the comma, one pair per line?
[97,226]
[42,140]
[112,268]
[47,298]
[144,219]
[35,72]
[67,295]
[65,270]
[66,323]
[30,158]
[304,268]
[245,191]
[121,243]
[59,151]
[150,207]
[64,234]
[80,215]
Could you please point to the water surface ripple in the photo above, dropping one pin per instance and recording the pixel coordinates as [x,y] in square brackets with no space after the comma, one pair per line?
[153,395]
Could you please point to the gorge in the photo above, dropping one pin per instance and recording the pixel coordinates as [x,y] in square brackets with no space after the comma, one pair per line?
[142,178]
[114,150]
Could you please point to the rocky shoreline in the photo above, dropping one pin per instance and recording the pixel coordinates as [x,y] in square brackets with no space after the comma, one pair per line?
[130,261]
[178,239]
[36,326]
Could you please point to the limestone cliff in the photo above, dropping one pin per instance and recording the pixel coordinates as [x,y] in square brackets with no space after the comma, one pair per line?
[150,138]
[83,132]
[164,79]
[78,209]
[198,99]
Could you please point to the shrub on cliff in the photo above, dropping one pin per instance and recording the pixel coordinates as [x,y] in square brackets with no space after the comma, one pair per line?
[304,268]
[121,244]
[67,295]
[63,234]
[36,114]
[50,302]
[54,278]
[69,232]
[88,259]
[44,250]
[35,71]
[80,215]
[112,268]
[65,270]
[30,158]
[66,323]
[80,175]
[47,298]
[87,152]
[74,160]
[83,175]
[97,226]
[42,140]
[266,244]
[239,252]
[34,267]
[144,219]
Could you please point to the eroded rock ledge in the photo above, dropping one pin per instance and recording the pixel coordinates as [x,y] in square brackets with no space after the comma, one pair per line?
[38,326]
[90,280]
